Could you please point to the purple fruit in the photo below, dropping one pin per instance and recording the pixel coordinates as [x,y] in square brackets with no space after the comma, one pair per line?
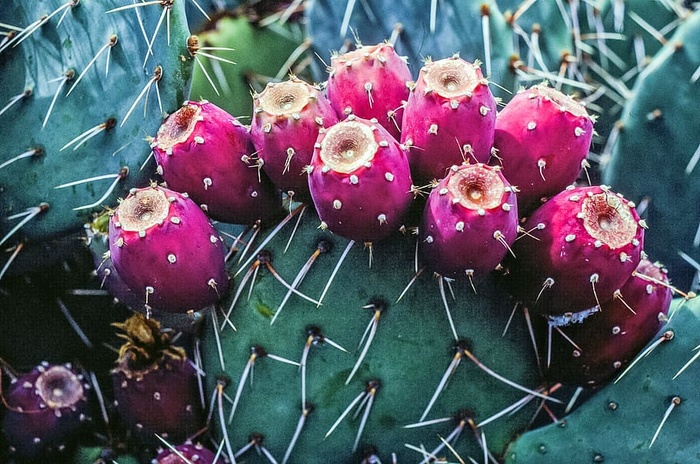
[360,180]
[165,248]
[194,453]
[44,411]
[155,386]
[469,222]
[449,118]
[612,335]
[580,246]
[207,153]
[370,82]
[286,119]
[542,137]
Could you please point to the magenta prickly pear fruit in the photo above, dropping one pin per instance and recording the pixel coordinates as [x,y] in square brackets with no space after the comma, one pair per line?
[286,119]
[155,385]
[44,411]
[194,453]
[611,335]
[360,180]
[207,153]
[580,247]
[449,118]
[542,137]
[165,248]
[370,82]
[469,222]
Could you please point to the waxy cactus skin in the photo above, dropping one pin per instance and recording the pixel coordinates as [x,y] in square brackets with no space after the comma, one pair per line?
[287,117]
[195,453]
[370,82]
[542,137]
[469,222]
[583,244]
[205,152]
[360,180]
[449,118]
[165,248]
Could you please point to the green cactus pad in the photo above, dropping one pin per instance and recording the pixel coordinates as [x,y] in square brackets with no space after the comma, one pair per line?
[411,351]
[87,134]
[620,422]
[654,161]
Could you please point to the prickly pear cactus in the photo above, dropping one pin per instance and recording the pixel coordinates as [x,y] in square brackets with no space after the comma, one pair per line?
[651,409]
[387,377]
[654,160]
[84,83]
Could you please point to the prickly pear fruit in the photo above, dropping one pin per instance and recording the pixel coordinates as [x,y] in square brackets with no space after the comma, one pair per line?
[194,453]
[360,180]
[580,246]
[155,386]
[44,410]
[204,151]
[469,222]
[603,343]
[286,119]
[449,118]
[165,248]
[542,137]
[370,82]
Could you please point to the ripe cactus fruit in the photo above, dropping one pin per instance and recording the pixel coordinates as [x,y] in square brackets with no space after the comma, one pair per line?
[580,246]
[607,340]
[542,137]
[165,248]
[287,117]
[469,222]
[204,151]
[360,180]
[370,82]
[155,386]
[449,118]
[44,411]
[194,453]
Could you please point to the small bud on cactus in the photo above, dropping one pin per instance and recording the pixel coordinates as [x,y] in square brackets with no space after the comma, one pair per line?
[155,386]
[579,247]
[610,336]
[469,222]
[44,411]
[286,119]
[360,180]
[542,137]
[449,118]
[165,248]
[207,153]
[370,82]
[194,453]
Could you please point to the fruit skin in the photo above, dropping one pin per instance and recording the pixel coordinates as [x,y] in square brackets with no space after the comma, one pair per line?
[368,198]
[449,118]
[155,385]
[370,82]
[632,408]
[562,267]
[542,137]
[178,263]
[204,151]
[612,335]
[472,235]
[44,411]
[287,118]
